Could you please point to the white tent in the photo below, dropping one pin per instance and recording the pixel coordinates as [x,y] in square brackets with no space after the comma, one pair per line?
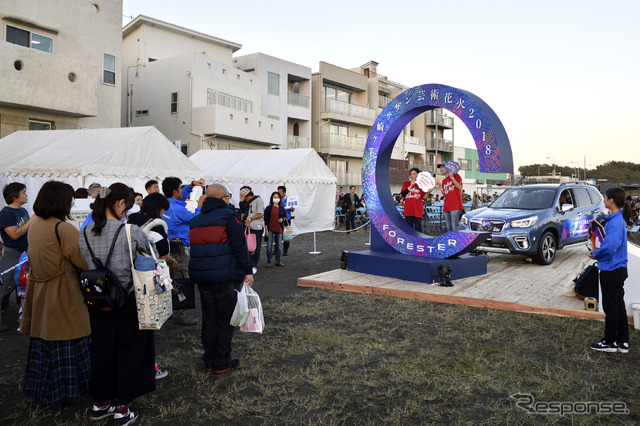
[302,171]
[131,155]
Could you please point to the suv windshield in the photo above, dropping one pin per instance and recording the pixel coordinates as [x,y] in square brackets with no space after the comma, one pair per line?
[525,198]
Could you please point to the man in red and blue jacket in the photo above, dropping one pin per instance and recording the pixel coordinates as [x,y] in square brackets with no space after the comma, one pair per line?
[219,263]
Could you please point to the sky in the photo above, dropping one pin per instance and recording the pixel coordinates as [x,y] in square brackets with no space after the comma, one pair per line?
[563,76]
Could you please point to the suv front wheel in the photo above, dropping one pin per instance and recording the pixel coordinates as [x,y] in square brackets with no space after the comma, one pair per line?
[547,248]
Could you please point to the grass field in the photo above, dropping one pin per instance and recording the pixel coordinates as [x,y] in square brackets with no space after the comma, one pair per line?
[340,358]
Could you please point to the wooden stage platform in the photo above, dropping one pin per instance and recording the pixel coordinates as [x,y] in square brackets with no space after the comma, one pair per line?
[511,284]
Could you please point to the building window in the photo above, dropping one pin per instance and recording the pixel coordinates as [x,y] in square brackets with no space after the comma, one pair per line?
[274,84]
[235,103]
[339,129]
[41,125]
[477,165]
[338,166]
[211,97]
[465,164]
[109,69]
[383,100]
[142,112]
[273,117]
[28,39]
[174,103]
[336,93]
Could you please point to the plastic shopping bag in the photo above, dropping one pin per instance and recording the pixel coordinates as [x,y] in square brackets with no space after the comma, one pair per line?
[254,322]
[241,312]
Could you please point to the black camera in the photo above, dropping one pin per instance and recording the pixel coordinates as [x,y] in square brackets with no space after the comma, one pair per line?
[444,273]
[175,245]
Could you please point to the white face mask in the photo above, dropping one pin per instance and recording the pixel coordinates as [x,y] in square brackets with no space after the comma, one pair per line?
[276,201]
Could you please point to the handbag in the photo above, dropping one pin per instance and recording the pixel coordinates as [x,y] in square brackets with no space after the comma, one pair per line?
[101,289]
[154,308]
[251,239]
[183,295]
[254,322]
[287,233]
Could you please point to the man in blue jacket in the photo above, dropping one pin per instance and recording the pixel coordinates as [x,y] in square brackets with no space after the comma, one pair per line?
[177,218]
[219,263]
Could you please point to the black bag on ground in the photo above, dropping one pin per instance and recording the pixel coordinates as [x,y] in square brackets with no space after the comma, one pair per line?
[183,289]
[588,282]
[101,289]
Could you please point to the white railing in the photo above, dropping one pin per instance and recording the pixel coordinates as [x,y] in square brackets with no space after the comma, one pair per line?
[440,119]
[297,141]
[440,144]
[297,99]
[345,108]
[412,140]
[348,178]
[351,143]
[425,167]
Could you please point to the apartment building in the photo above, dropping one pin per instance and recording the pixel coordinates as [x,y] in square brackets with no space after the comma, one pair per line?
[60,64]
[285,95]
[346,103]
[190,87]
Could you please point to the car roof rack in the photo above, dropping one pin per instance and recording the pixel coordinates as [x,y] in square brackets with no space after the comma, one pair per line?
[570,183]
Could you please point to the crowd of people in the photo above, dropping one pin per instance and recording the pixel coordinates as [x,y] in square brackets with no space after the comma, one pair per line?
[75,349]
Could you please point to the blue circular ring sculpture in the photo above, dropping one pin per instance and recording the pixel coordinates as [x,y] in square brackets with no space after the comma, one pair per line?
[494,153]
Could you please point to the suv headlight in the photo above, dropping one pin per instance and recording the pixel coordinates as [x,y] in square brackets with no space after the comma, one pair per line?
[464,220]
[524,223]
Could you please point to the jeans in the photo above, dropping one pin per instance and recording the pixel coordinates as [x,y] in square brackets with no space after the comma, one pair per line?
[452,219]
[274,237]
[218,302]
[616,328]
[414,222]
[256,254]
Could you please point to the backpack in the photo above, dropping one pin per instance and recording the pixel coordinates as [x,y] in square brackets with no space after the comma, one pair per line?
[101,288]
[588,282]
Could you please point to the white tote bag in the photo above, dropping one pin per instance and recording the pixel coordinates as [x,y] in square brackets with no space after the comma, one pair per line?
[153,308]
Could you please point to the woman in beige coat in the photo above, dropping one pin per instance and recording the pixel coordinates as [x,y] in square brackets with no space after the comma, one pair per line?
[58,367]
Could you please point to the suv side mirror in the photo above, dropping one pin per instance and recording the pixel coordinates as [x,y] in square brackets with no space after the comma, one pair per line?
[567,207]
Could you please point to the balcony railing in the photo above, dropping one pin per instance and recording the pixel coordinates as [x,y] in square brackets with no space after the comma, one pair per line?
[411,140]
[348,178]
[439,144]
[434,118]
[297,141]
[297,99]
[349,143]
[425,167]
[345,108]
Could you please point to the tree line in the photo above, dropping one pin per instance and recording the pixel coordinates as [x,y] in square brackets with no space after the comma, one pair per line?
[612,171]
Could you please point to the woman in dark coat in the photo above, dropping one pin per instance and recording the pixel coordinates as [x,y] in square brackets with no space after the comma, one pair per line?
[122,356]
